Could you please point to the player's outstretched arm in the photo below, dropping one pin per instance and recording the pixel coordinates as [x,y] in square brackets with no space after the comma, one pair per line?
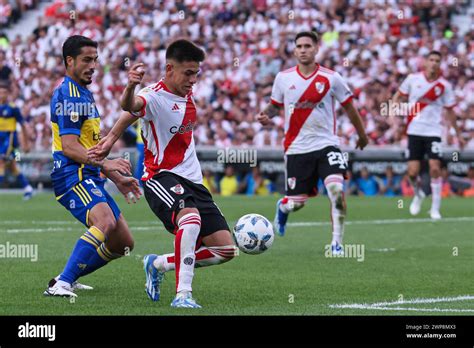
[78,153]
[128,101]
[102,149]
[264,117]
[356,120]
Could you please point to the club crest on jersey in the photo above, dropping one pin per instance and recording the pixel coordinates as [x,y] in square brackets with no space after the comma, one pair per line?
[437,91]
[97,192]
[292,183]
[74,116]
[319,86]
[178,189]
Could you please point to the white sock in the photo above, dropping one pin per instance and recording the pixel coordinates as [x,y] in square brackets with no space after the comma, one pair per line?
[334,186]
[292,203]
[436,188]
[184,245]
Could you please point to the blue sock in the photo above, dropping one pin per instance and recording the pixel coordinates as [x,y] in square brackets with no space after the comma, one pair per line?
[22,180]
[82,254]
[100,258]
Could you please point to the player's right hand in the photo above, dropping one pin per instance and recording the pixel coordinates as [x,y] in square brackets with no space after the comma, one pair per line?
[120,165]
[135,74]
[264,119]
[362,142]
[102,149]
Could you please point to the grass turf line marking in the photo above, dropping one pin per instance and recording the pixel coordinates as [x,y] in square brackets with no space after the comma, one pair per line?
[156,225]
[388,306]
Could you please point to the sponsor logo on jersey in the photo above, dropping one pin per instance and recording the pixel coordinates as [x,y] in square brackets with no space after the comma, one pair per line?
[292,87]
[175,107]
[97,192]
[292,183]
[183,128]
[178,189]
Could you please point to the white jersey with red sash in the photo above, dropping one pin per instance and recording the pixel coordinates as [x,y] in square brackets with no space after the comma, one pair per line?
[428,99]
[310,119]
[167,122]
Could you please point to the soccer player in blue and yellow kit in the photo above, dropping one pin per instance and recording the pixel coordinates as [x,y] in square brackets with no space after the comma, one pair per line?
[76,177]
[10,116]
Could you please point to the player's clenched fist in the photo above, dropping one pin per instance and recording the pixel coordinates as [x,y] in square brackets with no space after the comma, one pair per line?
[264,119]
[135,74]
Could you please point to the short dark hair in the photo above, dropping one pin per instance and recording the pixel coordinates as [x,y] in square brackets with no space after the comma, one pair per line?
[434,52]
[73,45]
[184,51]
[311,34]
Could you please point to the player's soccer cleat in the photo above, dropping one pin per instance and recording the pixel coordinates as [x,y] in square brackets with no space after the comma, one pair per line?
[415,205]
[184,300]
[28,193]
[75,286]
[60,289]
[280,219]
[153,277]
[435,215]
[337,250]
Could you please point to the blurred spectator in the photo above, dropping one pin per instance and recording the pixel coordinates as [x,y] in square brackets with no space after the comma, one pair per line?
[366,184]
[256,184]
[350,185]
[229,185]
[208,181]
[5,71]
[406,187]
[470,191]
[390,184]
[366,42]
[446,190]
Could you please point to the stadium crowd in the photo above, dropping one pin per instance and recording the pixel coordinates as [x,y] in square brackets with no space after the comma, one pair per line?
[374,45]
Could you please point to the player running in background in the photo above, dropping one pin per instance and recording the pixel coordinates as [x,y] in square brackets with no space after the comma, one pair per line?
[428,92]
[76,177]
[173,178]
[10,115]
[307,92]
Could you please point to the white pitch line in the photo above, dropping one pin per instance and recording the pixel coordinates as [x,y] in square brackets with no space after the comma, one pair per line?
[61,229]
[420,309]
[388,306]
[153,225]
[385,222]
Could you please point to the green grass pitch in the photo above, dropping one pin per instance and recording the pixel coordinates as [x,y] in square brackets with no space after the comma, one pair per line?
[403,260]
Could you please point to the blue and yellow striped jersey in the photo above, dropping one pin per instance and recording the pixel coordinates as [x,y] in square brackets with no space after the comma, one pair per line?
[10,115]
[73,111]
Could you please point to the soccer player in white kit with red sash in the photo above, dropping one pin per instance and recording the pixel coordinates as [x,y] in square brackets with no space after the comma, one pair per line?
[428,93]
[173,177]
[308,93]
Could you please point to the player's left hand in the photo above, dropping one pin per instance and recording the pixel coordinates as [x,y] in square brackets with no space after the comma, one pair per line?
[362,142]
[130,189]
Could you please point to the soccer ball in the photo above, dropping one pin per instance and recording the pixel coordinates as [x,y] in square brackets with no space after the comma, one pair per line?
[253,234]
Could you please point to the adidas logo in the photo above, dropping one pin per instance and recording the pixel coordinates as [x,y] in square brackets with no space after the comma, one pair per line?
[175,107]
[292,87]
